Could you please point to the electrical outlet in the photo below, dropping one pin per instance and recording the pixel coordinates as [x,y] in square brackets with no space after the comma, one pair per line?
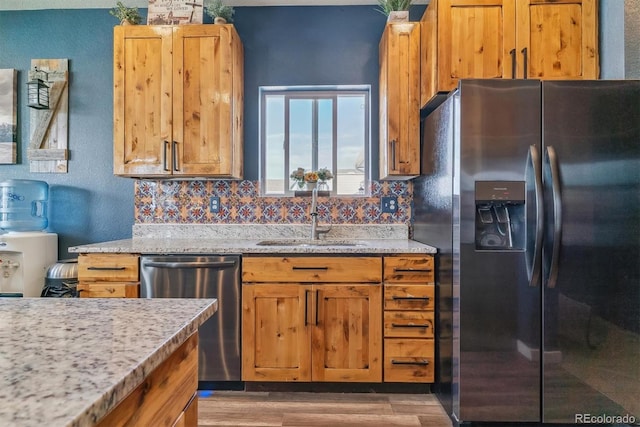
[389,204]
[214,204]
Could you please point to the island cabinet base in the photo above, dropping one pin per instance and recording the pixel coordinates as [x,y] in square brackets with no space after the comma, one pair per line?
[167,397]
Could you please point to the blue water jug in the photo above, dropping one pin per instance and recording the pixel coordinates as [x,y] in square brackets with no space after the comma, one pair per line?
[23,205]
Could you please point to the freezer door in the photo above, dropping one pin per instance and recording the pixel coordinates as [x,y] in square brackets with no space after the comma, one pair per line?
[497,327]
[591,259]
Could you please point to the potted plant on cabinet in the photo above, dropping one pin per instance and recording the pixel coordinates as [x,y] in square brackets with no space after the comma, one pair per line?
[220,12]
[395,10]
[126,15]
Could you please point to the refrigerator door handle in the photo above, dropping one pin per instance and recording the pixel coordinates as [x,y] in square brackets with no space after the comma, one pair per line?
[536,263]
[557,215]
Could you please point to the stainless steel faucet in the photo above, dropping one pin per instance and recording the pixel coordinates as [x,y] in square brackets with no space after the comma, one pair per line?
[316,231]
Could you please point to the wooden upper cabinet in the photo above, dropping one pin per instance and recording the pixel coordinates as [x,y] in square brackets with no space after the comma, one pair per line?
[560,38]
[178,101]
[400,101]
[543,39]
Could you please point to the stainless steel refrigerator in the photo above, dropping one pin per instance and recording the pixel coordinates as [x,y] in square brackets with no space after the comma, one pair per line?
[531,192]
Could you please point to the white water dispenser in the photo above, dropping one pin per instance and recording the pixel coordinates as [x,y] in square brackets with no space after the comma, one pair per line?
[26,251]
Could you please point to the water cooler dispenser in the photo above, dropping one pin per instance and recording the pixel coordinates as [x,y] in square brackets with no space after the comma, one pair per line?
[26,250]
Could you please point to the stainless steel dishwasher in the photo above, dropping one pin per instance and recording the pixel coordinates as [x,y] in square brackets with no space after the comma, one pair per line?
[203,276]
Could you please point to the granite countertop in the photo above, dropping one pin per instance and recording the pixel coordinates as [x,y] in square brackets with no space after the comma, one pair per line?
[69,361]
[245,239]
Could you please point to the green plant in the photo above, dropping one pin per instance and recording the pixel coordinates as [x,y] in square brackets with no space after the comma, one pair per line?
[124,13]
[217,9]
[387,6]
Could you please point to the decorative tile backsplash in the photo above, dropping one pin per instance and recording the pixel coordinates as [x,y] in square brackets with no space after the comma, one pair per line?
[187,202]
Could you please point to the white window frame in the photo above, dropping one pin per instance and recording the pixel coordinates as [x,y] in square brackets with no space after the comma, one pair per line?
[316,93]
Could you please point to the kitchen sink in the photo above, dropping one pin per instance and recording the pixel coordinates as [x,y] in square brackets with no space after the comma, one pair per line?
[309,243]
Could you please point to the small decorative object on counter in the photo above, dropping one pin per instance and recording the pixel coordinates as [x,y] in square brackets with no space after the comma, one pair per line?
[126,15]
[220,12]
[174,12]
[310,179]
[395,10]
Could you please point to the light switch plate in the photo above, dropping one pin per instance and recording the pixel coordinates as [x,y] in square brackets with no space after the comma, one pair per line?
[389,204]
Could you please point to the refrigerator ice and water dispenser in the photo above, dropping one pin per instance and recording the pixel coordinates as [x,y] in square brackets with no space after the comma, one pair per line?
[500,219]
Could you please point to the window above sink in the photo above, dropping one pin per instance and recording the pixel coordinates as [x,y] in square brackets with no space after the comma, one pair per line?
[313,128]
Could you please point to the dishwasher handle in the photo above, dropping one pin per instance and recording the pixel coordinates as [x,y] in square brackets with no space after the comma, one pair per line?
[191,264]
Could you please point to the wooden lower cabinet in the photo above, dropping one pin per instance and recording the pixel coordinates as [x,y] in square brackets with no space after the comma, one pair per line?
[300,332]
[408,360]
[310,331]
[331,319]
[409,303]
[108,275]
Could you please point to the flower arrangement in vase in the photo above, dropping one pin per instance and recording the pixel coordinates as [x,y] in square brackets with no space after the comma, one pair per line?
[310,179]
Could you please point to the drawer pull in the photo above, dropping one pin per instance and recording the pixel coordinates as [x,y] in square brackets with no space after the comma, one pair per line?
[412,270]
[400,325]
[395,298]
[310,268]
[107,268]
[409,362]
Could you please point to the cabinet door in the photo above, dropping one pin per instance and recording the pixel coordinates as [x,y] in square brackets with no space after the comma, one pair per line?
[560,38]
[207,113]
[400,101]
[142,100]
[347,339]
[276,322]
[475,40]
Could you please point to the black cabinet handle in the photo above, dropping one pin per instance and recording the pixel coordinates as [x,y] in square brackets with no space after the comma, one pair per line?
[393,154]
[399,325]
[174,153]
[411,298]
[524,54]
[412,270]
[309,268]
[306,307]
[165,165]
[107,268]
[514,64]
[408,362]
[317,305]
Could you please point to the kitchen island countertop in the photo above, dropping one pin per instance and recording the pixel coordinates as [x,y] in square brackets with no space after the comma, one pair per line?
[69,361]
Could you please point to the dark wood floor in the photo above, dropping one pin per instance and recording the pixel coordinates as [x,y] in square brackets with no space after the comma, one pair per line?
[240,408]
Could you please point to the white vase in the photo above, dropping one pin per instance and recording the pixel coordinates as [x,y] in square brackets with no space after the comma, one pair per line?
[219,20]
[311,185]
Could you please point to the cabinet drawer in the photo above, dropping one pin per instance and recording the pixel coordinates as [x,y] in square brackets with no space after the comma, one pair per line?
[312,269]
[108,267]
[408,297]
[408,360]
[408,324]
[108,290]
[418,269]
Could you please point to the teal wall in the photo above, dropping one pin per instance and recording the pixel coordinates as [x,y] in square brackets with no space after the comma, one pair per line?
[87,204]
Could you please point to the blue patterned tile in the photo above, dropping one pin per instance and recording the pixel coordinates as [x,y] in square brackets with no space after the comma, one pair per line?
[371,212]
[221,188]
[197,189]
[247,189]
[247,212]
[271,213]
